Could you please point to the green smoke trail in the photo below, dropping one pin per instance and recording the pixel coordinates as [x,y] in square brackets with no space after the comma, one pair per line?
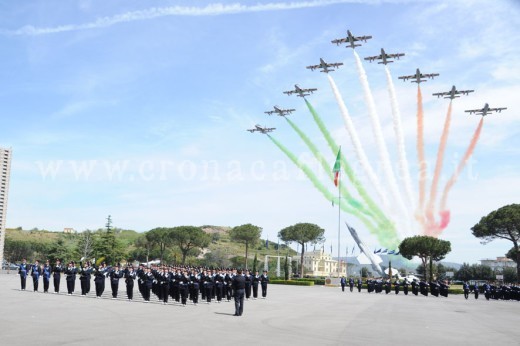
[387,239]
[384,221]
[324,164]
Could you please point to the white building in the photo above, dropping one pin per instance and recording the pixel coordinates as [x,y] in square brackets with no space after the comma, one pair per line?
[498,263]
[319,263]
[5,170]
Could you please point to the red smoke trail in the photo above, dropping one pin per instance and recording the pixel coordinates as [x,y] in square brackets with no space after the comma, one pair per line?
[430,208]
[419,214]
[460,167]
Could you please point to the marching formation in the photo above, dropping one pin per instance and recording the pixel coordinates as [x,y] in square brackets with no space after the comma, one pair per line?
[180,284]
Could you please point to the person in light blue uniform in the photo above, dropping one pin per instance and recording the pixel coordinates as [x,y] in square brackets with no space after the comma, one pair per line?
[47,271]
[36,271]
[23,270]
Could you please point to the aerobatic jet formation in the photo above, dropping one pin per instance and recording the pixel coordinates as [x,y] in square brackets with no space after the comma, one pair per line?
[301,92]
[351,40]
[325,67]
[419,77]
[384,57]
[280,111]
[453,93]
[262,129]
[485,110]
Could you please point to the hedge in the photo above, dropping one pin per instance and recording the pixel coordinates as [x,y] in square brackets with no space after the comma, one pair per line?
[292,282]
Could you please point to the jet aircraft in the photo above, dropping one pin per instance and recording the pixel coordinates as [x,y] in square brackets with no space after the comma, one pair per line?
[384,57]
[301,92]
[326,67]
[351,40]
[453,93]
[418,77]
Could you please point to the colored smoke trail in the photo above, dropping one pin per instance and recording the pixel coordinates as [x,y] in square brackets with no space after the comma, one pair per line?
[460,167]
[326,167]
[358,148]
[420,156]
[348,170]
[401,150]
[385,236]
[380,141]
[430,208]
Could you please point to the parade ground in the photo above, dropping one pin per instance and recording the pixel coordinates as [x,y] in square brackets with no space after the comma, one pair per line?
[291,315]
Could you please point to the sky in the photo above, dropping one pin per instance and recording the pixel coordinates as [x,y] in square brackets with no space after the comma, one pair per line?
[139,110]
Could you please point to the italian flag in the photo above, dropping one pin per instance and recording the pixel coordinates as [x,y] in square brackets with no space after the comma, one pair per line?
[337,168]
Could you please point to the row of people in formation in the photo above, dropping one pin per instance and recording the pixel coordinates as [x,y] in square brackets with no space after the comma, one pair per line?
[435,288]
[181,283]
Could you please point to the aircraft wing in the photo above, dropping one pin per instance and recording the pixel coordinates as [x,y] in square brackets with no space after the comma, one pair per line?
[270,112]
[500,109]
[465,92]
[441,94]
[474,111]
[397,55]
[289,92]
[335,64]
[339,41]
[313,67]
[404,78]
[372,58]
[362,38]
[430,75]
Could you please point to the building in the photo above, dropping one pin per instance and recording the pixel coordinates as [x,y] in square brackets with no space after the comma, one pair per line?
[499,263]
[69,230]
[5,171]
[319,263]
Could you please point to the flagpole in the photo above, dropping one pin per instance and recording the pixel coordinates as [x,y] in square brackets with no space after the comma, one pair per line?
[339,219]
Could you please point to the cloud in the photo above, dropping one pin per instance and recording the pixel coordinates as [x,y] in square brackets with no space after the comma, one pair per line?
[216,9]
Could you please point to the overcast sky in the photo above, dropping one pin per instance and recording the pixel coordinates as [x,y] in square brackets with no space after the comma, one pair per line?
[140,109]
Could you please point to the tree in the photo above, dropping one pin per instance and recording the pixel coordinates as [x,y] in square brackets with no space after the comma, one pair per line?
[510,275]
[188,239]
[302,233]
[108,246]
[247,234]
[464,273]
[503,223]
[84,245]
[59,250]
[364,272]
[255,263]
[511,254]
[160,237]
[426,248]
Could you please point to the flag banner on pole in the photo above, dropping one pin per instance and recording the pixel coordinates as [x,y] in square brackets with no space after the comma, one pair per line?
[337,168]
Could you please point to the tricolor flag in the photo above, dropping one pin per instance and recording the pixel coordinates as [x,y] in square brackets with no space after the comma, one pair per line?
[337,168]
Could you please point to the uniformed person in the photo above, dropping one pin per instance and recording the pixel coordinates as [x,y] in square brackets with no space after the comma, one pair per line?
[359,284]
[351,284]
[249,282]
[115,274]
[36,271]
[23,271]
[70,277]
[46,273]
[343,283]
[56,276]
[264,280]
[239,285]
[256,281]
[99,279]
[130,276]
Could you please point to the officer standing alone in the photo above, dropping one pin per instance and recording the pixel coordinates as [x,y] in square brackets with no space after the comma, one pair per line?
[239,287]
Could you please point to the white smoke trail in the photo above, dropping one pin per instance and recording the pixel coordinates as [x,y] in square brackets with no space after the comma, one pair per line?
[401,150]
[358,148]
[381,145]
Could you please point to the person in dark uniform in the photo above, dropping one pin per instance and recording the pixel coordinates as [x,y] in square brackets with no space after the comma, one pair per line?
[228,278]
[343,283]
[183,287]
[115,274]
[415,288]
[351,284]
[139,274]
[99,279]
[219,282]
[465,287]
[359,285]
[209,282]
[475,290]
[23,271]
[36,271]
[84,278]
[249,282]
[147,285]
[239,286]
[195,286]
[405,286]
[70,277]
[130,276]
[423,288]
[46,273]
[256,280]
[56,275]
[164,283]
[487,290]
[396,286]
[264,280]
[388,286]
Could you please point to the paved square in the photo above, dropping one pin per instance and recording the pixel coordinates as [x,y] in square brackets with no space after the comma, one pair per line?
[291,315]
